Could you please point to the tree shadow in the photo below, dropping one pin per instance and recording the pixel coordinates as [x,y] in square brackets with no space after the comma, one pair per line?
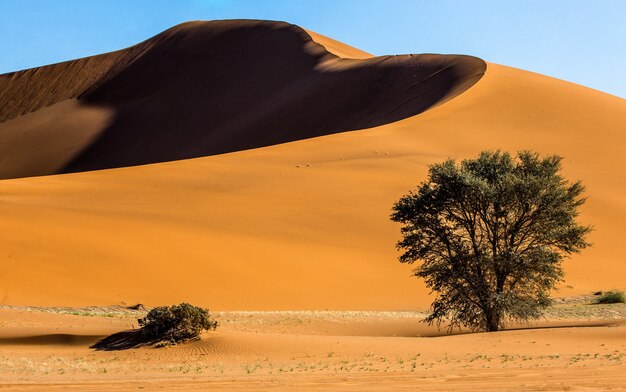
[61,339]
[124,340]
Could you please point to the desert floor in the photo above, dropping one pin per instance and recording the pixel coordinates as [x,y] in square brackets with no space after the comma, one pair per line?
[577,346]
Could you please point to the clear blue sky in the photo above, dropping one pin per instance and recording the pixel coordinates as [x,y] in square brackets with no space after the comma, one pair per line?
[583,41]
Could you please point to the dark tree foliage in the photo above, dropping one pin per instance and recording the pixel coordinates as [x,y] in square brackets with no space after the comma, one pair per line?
[491,234]
[177,323]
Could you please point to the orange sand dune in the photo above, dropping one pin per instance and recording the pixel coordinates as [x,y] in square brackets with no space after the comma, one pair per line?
[300,225]
[204,88]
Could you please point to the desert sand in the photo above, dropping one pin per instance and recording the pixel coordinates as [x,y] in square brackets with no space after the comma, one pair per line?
[148,176]
[204,88]
[289,226]
[48,349]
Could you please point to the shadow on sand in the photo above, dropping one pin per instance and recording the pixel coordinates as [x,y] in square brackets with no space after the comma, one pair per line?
[51,339]
[124,340]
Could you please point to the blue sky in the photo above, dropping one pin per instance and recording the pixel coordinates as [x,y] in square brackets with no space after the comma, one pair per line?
[583,41]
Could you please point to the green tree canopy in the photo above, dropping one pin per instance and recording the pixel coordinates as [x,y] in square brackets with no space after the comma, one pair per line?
[176,323]
[491,235]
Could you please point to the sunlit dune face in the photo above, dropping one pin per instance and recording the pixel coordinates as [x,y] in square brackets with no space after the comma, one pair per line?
[297,225]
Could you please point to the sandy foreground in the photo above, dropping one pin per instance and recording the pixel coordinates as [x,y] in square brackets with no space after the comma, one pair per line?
[576,347]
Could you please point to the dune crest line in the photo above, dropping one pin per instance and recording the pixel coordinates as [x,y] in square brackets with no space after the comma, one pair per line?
[207,88]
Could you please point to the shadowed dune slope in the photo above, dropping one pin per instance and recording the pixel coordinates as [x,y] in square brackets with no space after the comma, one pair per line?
[302,225]
[205,88]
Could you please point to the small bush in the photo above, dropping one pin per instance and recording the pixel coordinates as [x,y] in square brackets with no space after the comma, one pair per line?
[177,323]
[612,297]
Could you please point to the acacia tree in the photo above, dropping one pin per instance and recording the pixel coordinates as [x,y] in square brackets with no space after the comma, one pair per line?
[491,235]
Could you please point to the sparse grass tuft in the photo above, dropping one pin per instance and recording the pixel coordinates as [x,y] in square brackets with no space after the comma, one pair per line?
[611,297]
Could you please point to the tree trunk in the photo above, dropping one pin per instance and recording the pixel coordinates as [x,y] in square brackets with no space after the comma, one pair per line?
[492,320]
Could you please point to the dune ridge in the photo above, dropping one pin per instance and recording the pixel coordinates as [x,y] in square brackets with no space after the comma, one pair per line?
[206,88]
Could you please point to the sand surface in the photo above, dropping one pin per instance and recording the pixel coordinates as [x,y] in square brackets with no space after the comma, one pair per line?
[299,225]
[205,88]
[48,349]
[279,224]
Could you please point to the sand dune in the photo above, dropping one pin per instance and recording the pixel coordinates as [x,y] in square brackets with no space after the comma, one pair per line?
[204,88]
[299,225]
